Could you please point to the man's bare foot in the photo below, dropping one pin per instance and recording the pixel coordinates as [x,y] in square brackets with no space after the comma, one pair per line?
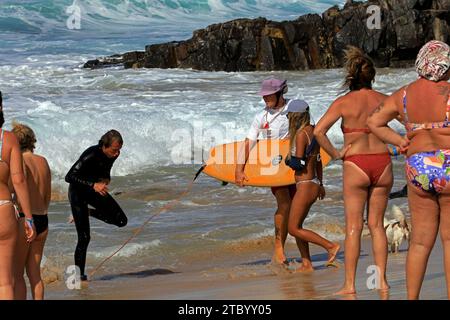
[304,269]
[346,290]
[332,253]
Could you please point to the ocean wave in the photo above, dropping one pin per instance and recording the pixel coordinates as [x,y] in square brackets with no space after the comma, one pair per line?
[163,123]
[129,250]
[41,16]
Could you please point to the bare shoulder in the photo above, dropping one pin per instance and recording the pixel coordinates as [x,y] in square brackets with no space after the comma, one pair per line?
[343,99]
[40,159]
[309,129]
[9,138]
[379,95]
[336,105]
[9,135]
[300,134]
[444,88]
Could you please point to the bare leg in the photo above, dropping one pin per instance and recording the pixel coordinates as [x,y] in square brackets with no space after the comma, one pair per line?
[378,197]
[444,203]
[34,266]
[303,247]
[304,198]
[20,288]
[356,185]
[8,239]
[424,224]
[281,222]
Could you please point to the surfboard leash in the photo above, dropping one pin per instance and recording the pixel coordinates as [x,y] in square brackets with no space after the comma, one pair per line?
[139,230]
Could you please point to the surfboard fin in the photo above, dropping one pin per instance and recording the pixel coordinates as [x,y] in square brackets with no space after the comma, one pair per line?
[224,183]
[199,171]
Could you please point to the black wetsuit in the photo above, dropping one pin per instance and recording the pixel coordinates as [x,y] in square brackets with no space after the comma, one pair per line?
[399,194]
[92,166]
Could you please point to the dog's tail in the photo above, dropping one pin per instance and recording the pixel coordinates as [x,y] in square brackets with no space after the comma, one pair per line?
[399,215]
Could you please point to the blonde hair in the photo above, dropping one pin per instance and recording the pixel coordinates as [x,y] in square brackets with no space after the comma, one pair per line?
[25,135]
[360,69]
[297,121]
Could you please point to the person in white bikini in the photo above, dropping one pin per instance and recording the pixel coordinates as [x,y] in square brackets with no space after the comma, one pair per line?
[305,160]
[11,167]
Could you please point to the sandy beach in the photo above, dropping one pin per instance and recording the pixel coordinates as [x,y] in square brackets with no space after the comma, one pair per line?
[253,279]
[216,243]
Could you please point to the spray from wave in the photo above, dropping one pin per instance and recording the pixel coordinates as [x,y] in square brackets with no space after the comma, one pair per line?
[42,16]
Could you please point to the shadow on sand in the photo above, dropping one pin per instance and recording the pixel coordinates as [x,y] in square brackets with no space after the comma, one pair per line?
[138,274]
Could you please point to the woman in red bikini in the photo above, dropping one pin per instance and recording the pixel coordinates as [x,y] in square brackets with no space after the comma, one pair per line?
[367,176]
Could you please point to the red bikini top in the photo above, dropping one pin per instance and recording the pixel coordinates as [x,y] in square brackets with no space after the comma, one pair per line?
[353,130]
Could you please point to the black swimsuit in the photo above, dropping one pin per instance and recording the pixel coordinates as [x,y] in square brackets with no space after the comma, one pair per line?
[41,222]
[93,166]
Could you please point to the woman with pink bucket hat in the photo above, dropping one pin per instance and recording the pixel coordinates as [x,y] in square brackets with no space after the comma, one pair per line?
[271,123]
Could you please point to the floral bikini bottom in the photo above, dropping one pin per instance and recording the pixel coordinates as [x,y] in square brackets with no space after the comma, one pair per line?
[429,171]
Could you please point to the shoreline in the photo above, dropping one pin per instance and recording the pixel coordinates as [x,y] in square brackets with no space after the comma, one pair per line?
[257,279]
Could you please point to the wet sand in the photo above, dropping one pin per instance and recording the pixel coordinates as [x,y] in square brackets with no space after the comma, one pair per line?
[244,278]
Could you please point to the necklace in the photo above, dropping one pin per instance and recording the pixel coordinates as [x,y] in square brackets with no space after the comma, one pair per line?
[267,123]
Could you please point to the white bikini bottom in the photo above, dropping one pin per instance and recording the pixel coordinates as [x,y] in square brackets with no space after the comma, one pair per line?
[314,180]
[16,210]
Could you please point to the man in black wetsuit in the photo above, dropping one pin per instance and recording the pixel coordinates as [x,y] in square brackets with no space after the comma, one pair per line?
[89,178]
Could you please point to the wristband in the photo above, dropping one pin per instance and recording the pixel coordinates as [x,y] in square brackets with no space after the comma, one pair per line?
[394,151]
[29,222]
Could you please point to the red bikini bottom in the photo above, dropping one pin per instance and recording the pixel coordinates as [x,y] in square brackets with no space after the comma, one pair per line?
[372,164]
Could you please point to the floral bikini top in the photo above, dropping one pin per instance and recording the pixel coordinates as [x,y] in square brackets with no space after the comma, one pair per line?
[428,125]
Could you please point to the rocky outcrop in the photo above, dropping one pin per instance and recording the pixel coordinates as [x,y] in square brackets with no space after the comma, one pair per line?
[309,42]
[127,59]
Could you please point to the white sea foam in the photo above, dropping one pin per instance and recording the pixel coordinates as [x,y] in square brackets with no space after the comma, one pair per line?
[129,250]
[162,123]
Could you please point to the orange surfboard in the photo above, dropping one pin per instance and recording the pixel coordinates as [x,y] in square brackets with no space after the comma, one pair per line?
[265,166]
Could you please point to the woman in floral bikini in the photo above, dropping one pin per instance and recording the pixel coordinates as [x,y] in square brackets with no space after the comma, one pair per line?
[424,106]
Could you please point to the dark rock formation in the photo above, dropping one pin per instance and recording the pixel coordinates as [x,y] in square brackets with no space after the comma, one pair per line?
[128,59]
[309,42]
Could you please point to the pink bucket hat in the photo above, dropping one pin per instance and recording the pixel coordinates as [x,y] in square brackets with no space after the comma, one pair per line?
[433,60]
[272,85]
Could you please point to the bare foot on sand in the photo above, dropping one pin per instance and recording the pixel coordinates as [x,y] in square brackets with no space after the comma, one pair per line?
[332,253]
[384,286]
[345,291]
[384,294]
[279,259]
[304,269]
